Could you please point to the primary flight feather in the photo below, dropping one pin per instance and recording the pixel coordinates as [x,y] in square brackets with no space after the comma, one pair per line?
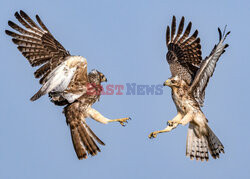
[190,76]
[64,78]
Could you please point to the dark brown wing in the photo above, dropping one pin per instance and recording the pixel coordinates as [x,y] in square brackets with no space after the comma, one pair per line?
[184,51]
[83,137]
[37,44]
[207,69]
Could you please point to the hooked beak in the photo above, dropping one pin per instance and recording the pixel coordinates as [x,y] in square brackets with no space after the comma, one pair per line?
[167,83]
[104,79]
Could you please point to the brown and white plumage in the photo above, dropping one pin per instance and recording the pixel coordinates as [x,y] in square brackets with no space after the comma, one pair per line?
[37,44]
[207,68]
[196,73]
[185,60]
[184,52]
[64,77]
[190,76]
[200,138]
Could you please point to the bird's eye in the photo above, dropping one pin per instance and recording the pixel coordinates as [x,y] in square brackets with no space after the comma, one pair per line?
[173,81]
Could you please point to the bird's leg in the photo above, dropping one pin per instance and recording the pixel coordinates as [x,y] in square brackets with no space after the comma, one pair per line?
[176,119]
[187,118]
[122,121]
[94,114]
[167,129]
[171,125]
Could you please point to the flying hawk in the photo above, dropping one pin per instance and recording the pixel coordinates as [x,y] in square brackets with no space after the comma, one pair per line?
[65,79]
[190,76]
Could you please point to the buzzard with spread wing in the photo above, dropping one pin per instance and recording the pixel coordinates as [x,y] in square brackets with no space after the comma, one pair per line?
[65,79]
[190,76]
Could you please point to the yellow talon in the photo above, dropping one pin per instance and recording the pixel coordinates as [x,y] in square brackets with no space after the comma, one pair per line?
[152,135]
[122,121]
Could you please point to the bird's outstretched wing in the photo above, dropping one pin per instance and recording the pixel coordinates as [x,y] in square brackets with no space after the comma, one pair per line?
[207,68]
[184,51]
[83,137]
[37,44]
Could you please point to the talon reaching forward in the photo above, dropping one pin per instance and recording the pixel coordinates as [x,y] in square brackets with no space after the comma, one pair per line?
[190,76]
[65,79]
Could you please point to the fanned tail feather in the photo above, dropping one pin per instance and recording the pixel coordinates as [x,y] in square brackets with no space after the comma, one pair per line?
[83,137]
[215,145]
[198,147]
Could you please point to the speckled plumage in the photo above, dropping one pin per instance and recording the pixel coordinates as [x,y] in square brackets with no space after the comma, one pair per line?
[185,60]
[64,78]
[184,52]
[200,138]
[190,76]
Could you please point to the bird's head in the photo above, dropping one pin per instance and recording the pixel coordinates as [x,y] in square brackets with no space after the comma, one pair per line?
[174,82]
[96,77]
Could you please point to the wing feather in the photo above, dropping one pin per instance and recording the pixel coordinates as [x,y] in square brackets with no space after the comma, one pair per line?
[173,27]
[30,49]
[29,20]
[62,76]
[184,53]
[41,23]
[167,35]
[207,69]
[37,44]
[83,137]
[180,29]
[21,30]
[27,24]
[186,33]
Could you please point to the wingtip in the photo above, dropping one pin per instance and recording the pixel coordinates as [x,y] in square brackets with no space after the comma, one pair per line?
[16,13]
[196,33]
[220,34]
[82,157]
[15,41]
[32,99]
[10,23]
[182,18]
[37,17]
[22,12]
[36,96]
[7,32]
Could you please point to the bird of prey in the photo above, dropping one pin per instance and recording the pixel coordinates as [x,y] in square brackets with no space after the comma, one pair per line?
[65,79]
[190,76]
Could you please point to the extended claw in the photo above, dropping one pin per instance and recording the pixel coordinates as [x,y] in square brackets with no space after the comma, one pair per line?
[123,121]
[170,123]
[152,135]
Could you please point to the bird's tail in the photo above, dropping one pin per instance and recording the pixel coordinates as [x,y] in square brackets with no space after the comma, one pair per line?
[83,137]
[198,147]
[215,145]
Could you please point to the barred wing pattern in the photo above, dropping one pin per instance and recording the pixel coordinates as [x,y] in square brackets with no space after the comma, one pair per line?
[207,69]
[37,44]
[63,77]
[184,52]
[68,80]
